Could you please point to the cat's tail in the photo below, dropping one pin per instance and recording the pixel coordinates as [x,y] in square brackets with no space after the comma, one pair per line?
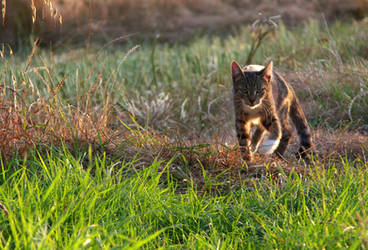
[302,128]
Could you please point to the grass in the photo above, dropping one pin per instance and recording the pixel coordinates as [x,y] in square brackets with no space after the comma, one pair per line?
[53,200]
[134,146]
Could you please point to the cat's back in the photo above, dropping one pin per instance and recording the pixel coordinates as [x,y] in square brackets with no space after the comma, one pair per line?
[253,68]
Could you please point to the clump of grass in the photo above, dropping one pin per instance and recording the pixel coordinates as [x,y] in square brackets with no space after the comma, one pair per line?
[22,19]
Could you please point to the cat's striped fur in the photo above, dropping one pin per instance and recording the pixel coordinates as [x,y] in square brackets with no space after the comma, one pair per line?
[265,101]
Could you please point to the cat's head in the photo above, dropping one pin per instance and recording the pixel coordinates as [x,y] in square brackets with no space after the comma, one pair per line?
[251,86]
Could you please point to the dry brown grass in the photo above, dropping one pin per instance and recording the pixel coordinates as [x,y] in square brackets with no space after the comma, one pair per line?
[181,19]
[22,18]
[24,126]
[173,20]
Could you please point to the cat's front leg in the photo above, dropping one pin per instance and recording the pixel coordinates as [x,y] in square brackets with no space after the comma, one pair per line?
[273,126]
[257,138]
[243,134]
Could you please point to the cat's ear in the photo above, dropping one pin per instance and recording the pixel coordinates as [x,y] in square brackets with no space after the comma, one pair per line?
[267,71]
[236,71]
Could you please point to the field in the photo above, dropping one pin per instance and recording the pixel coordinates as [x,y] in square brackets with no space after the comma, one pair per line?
[134,146]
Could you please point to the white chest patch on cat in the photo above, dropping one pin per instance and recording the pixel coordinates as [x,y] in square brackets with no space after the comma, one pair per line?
[268,147]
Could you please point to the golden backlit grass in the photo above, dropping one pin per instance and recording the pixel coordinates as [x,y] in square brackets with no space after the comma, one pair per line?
[145,102]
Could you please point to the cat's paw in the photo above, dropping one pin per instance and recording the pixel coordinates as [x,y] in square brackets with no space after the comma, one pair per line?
[268,147]
[247,157]
[304,153]
[253,148]
[246,154]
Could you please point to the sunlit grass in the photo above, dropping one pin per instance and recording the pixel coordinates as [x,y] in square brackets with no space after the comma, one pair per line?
[56,200]
[129,146]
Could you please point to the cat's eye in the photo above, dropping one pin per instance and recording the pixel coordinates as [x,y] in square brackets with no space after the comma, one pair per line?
[245,91]
[260,91]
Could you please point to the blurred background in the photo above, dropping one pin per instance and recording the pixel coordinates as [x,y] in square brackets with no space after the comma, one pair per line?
[78,21]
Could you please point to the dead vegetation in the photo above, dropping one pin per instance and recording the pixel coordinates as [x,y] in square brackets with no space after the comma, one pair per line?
[172,20]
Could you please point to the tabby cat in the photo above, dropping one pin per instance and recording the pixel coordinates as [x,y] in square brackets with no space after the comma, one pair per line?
[255,89]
